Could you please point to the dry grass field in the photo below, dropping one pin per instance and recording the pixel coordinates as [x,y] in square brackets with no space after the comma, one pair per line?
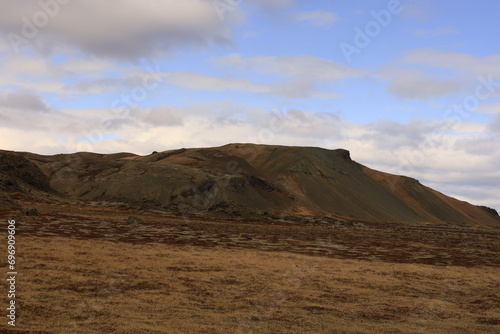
[89,270]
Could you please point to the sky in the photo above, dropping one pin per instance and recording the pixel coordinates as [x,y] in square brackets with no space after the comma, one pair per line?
[409,87]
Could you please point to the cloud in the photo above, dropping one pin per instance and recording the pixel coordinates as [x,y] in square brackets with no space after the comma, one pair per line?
[201,81]
[299,76]
[299,66]
[119,29]
[288,76]
[495,127]
[96,86]
[305,67]
[489,108]
[483,144]
[435,32]
[76,76]
[233,59]
[89,68]
[28,71]
[422,74]
[160,116]
[319,18]
[421,10]
[394,135]
[272,5]
[23,100]
[428,73]
[301,89]
[480,194]
[36,73]
[295,88]
[253,34]
[415,86]
[456,61]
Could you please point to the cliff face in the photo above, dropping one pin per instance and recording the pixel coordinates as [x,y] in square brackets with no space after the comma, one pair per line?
[17,171]
[245,179]
[20,175]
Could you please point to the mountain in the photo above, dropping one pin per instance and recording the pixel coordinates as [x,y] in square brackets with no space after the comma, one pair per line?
[237,181]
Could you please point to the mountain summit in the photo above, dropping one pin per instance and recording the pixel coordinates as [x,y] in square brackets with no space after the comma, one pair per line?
[238,181]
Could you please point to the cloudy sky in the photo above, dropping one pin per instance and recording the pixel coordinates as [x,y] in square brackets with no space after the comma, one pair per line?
[409,87]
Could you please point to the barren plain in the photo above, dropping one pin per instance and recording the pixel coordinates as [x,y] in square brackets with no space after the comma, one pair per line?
[93,269]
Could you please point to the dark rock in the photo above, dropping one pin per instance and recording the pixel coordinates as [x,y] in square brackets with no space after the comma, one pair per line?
[16,167]
[236,184]
[345,154]
[490,210]
[133,219]
[206,186]
[32,212]
[260,183]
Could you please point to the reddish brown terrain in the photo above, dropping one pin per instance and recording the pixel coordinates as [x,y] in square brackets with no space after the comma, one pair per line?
[240,181]
[243,239]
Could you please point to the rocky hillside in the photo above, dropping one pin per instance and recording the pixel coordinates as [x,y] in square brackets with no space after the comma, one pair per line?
[19,175]
[242,180]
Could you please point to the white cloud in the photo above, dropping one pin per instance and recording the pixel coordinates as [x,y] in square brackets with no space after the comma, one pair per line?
[24,64]
[300,75]
[201,81]
[297,76]
[421,10]
[415,86]
[91,68]
[252,34]
[97,86]
[233,59]
[304,67]
[300,66]
[31,72]
[489,108]
[456,61]
[23,100]
[479,194]
[272,5]
[495,127]
[424,74]
[469,127]
[292,89]
[319,18]
[160,116]
[122,29]
[77,76]
[435,32]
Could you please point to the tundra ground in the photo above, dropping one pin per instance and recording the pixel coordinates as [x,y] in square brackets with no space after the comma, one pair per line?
[91,269]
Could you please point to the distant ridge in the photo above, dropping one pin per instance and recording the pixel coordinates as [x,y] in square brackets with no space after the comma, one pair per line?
[239,181]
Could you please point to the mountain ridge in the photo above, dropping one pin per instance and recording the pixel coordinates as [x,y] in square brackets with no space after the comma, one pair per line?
[244,180]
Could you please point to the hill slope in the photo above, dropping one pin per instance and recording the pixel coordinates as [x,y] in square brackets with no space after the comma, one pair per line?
[242,180]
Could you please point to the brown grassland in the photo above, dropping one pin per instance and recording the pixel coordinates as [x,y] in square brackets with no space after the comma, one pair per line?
[86,269]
